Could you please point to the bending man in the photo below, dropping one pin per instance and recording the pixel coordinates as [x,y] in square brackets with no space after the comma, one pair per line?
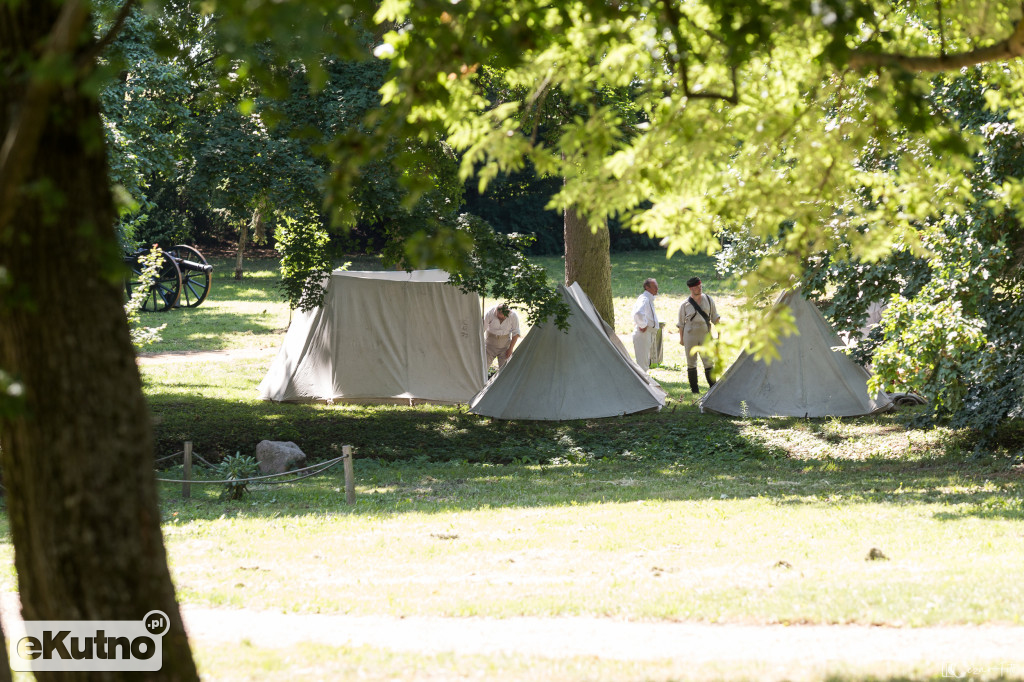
[501,331]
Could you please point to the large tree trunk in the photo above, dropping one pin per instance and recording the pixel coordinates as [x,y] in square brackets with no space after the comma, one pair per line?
[77,451]
[588,261]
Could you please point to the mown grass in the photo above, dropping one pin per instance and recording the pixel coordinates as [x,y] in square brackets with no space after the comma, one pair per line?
[246,313]
[735,532]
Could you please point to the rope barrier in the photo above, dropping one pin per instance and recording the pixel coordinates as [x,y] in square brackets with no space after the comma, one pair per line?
[297,478]
[319,469]
[182,452]
[267,479]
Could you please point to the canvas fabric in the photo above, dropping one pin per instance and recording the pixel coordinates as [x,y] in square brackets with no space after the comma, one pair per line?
[809,379]
[658,349]
[584,373]
[383,337]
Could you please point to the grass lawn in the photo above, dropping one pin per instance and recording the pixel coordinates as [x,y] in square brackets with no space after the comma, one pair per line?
[673,516]
[751,537]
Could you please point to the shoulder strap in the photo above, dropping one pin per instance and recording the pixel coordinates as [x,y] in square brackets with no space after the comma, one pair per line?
[700,311]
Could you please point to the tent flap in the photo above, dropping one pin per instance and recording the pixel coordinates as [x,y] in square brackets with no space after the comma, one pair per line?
[809,379]
[383,337]
[582,373]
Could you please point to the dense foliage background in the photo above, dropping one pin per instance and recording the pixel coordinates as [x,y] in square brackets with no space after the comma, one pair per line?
[197,161]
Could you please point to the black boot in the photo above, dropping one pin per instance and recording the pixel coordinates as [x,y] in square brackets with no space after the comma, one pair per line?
[707,373]
[691,374]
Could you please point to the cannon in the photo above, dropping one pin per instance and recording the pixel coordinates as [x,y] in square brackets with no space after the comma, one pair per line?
[183,278]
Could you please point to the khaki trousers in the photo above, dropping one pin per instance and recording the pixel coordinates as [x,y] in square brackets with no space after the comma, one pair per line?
[693,336]
[496,346]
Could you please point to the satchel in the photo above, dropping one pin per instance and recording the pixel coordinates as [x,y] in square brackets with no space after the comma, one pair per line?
[700,310]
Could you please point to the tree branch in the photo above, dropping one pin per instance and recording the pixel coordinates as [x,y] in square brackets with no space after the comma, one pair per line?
[1011,47]
[828,174]
[731,98]
[197,65]
[89,58]
[536,102]
[22,137]
[942,29]
[674,17]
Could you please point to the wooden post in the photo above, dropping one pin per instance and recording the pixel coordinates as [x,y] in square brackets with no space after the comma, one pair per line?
[186,487]
[350,484]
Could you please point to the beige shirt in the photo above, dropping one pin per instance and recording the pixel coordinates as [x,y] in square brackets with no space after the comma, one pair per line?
[691,320]
[495,327]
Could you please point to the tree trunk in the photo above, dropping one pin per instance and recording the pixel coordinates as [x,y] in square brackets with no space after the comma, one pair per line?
[77,446]
[243,238]
[588,261]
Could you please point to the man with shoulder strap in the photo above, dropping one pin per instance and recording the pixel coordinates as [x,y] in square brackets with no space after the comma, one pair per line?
[696,315]
[645,324]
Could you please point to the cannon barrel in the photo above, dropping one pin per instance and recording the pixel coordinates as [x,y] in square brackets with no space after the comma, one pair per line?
[185,264]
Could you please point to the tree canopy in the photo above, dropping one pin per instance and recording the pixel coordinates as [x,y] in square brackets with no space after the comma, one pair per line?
[203,143]
[954,322]
[813,136]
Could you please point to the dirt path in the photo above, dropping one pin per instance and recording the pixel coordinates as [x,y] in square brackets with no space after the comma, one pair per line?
[620,640]
[965,647]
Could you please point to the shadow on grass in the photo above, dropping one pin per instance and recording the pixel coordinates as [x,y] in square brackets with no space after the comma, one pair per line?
[182,333]
[431,459]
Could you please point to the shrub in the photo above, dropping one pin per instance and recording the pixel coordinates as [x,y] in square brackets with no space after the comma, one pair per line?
[236,469]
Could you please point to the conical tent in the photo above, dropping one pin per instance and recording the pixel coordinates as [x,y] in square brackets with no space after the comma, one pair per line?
[583,373]
[383,337]
[809,379]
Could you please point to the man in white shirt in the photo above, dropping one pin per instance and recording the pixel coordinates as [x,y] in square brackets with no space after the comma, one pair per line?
[645,324]
[501,331]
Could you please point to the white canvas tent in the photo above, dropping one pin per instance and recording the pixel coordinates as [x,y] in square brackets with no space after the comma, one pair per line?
[808,380]
[383,337]
[871,320]
[580,374]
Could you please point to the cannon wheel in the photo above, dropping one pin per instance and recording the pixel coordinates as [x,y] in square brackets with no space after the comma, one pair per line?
[195,284]
[164,293]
